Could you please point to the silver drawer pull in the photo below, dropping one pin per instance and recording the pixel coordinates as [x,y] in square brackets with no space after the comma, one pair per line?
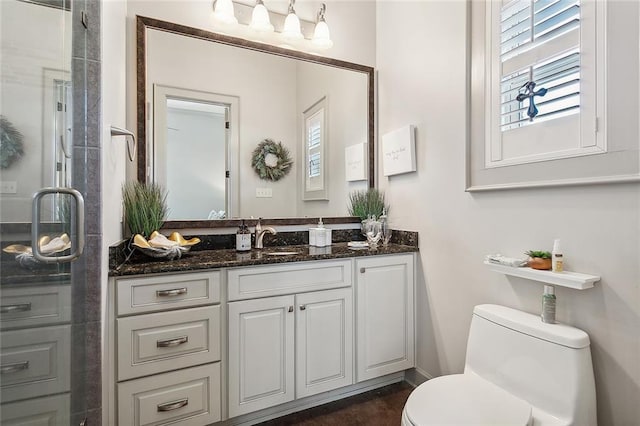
[14,368]
[172,292]
[174,405]
[22,307]
[169,343]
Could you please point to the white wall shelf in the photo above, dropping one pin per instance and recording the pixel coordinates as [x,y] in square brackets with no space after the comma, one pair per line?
[568,279]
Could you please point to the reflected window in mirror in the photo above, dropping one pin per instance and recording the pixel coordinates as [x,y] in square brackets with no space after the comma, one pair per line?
[315,151]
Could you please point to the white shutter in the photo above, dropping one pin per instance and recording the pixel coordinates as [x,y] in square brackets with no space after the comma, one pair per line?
[315,151]
[527,29]
[543,41]
[314,142]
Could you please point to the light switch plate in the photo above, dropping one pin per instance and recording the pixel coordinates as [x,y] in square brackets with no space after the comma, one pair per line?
[8,187]
[264,193]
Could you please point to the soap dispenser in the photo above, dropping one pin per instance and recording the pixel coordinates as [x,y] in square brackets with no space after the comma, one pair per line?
[243,238]
[324,234]
[316,235]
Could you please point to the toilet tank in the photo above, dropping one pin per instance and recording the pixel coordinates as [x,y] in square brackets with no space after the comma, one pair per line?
[548,365]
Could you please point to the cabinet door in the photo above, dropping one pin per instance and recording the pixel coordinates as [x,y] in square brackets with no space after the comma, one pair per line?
[324,341]
[385,331]
[261,353]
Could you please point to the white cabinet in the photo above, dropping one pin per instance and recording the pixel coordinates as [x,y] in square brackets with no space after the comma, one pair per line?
[199,347]
[167,349]
[35,353]
[261,353]
[385,315]
[324,341]
[283,348]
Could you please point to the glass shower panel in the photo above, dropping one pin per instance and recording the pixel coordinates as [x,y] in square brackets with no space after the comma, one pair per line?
[35,153]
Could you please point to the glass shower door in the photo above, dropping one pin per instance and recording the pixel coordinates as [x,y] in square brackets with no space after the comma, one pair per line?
[41,216]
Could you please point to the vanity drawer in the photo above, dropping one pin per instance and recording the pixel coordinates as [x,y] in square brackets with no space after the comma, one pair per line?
[34,362]
[161,292]
[47,411]
[153,343]
[274,280]
[187,397]
[36,305]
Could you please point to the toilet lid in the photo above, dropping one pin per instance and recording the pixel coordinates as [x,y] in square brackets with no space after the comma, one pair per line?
[464,399]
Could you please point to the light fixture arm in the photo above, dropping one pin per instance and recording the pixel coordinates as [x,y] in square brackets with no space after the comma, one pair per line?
[321,13]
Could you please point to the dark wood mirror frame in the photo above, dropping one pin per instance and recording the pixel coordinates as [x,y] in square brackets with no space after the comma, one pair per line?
[144,23]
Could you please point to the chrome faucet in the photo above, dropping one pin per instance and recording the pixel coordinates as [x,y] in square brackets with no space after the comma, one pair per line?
[260,231]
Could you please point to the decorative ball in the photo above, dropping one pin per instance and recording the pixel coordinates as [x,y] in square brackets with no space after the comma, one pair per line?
[271,160]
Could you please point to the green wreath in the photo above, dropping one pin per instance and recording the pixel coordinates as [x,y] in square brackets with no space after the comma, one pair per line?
[271,160]
[11,146]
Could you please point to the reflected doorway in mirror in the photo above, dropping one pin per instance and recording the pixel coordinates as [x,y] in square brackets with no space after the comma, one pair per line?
[194,147]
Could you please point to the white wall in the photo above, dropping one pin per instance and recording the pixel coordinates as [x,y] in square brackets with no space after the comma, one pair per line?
[113,154]
[421,62]
[266,110]
[347,115]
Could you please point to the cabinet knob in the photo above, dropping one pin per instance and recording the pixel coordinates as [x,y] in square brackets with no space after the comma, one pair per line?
[290,308]
[303,307]
[362,270]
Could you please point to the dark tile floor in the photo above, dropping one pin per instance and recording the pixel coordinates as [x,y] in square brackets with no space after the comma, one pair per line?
[379,407]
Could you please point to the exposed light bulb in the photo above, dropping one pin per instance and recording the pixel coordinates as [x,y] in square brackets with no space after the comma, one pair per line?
[260,18]
[321,36]
[291,28]
[223,12]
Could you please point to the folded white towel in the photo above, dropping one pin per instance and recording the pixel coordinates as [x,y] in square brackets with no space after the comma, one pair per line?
[507,261]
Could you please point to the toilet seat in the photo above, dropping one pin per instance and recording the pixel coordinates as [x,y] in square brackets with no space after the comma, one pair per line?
[464,399]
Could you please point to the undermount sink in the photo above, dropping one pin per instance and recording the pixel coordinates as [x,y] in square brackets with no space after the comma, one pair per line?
[282,253]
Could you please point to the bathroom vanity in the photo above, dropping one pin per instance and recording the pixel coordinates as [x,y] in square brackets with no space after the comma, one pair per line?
[244,337]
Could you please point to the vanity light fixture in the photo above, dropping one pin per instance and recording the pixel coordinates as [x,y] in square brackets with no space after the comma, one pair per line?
[260,18]
[255,22]
[223,12]
[321,36]
[291,30]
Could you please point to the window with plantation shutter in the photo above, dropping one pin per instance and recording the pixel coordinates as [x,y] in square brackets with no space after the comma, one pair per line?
[543,50]
[314,138]
[314,149]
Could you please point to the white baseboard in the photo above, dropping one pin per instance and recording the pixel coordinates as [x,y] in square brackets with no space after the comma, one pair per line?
[416,376]
[313,401]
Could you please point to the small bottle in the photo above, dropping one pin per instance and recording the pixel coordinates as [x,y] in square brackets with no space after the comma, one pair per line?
[557,259]
[243,238]
[549,305]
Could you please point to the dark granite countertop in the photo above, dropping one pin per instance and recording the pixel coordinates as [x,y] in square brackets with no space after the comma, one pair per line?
[227,258]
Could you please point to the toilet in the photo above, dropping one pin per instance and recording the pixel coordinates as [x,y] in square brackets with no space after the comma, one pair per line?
[518,371]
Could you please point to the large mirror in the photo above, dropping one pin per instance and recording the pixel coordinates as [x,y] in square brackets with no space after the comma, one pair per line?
[207,101]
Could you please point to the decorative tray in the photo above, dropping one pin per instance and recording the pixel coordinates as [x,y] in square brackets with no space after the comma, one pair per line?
[48,247]
[160,247]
